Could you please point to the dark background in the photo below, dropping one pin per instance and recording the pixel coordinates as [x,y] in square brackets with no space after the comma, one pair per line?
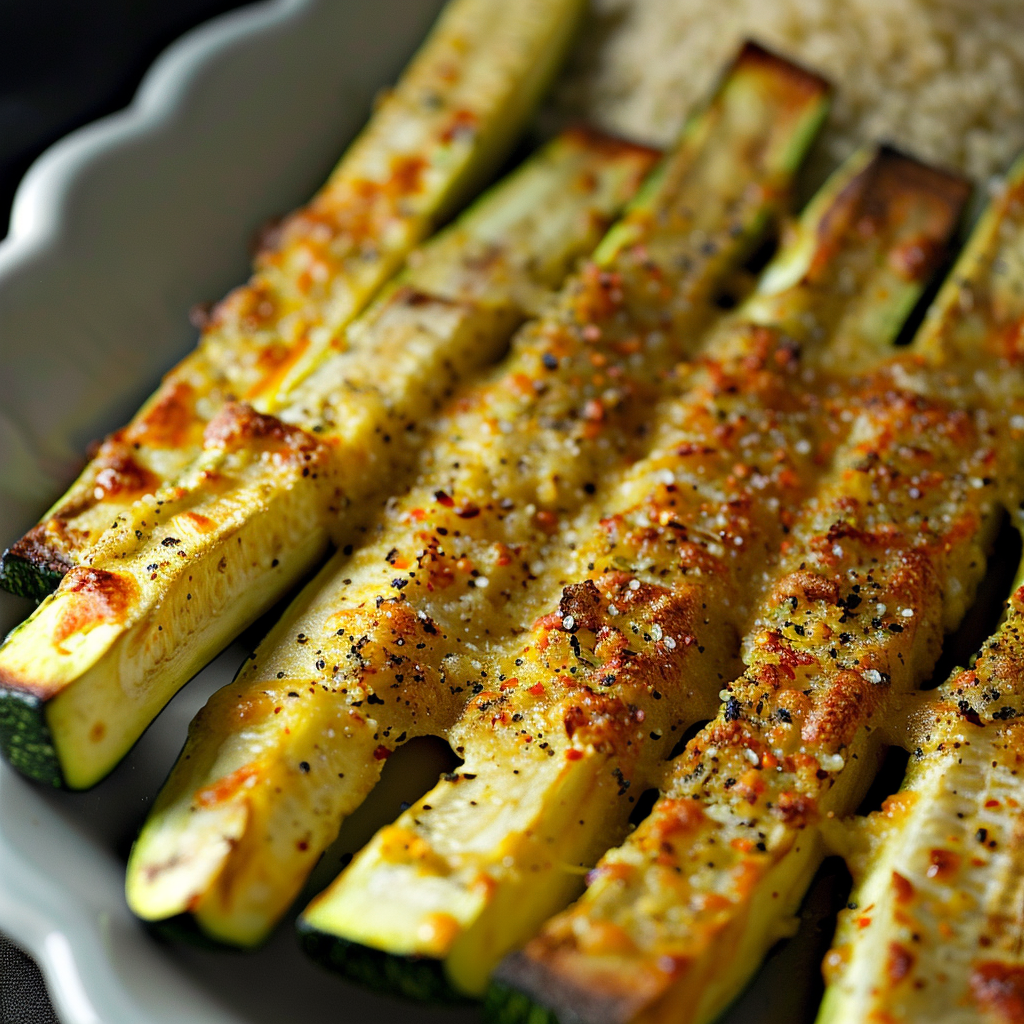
[64,63]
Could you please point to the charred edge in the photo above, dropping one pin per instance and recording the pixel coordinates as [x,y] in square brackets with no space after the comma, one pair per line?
[755,56]
[25,738]
[505,1005]
[419,979]
[609,145]
[899,172]
[29,571]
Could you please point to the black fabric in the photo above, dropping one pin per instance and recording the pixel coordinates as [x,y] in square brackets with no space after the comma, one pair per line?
[64,63]
[23,998]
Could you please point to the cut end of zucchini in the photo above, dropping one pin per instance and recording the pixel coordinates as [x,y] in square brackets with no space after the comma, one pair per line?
[753,56]
[420,979]
[25,738]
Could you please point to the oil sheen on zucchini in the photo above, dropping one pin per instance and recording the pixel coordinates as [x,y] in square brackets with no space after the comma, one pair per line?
[634,650]
[933,930]
[192,564]
[679,916]
[434,140]
[388,644]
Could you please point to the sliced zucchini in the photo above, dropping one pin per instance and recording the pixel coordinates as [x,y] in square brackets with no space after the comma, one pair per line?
[933,931]
[187,568]
[453,116]
[637,648]
[390,643]
[679,916]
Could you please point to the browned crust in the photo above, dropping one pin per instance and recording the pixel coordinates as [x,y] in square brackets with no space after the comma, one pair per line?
[36,549]
[170,419]
[94,596]
[610,146]
[878,197]
[901,179]
[239,425]
[998,989]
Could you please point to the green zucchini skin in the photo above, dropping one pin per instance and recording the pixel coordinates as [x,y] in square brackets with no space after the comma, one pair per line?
[25,736]
[182,929]
[23,577]
[419,979]
[504,1004]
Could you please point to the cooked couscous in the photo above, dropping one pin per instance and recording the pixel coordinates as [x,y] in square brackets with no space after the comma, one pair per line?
[942,79]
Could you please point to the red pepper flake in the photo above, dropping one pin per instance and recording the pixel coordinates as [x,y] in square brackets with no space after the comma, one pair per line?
[382,753]
[445,499]
[537,689]
[572,754]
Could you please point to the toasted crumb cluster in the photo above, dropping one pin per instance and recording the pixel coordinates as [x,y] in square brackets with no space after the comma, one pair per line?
[942,79]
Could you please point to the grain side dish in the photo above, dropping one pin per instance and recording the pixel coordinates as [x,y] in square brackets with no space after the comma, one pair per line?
[943,79]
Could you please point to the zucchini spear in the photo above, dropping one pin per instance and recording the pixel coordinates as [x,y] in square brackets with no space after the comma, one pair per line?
[387,645]
[187,568]
[638,646]
[678,917]
[433,141]
[933,931]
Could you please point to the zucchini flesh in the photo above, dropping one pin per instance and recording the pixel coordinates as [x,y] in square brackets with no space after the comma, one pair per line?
[188,567]
[381,648]
[434,140]
[677,918]
[934,931]
[637,648]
